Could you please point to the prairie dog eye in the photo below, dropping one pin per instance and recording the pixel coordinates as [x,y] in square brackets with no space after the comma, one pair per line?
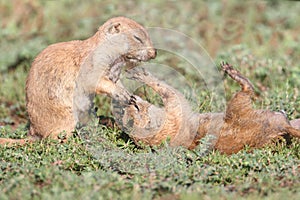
[138,39]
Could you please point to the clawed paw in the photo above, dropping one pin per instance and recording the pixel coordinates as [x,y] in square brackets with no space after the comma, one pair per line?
[228,69]
[132,100]
[225,66]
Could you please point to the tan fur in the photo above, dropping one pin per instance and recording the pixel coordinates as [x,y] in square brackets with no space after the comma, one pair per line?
[295,123]
[64,77]
[244,125]
[239,126]
[152,124]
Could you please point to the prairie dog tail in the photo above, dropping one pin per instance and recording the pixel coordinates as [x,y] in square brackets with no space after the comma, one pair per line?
[293,131]
[295,123]
[11,142]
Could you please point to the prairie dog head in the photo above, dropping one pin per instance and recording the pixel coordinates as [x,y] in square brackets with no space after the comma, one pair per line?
[129,39]
[143,119]
[139,114]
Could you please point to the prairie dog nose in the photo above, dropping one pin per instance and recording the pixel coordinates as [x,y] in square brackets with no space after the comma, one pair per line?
[152,53]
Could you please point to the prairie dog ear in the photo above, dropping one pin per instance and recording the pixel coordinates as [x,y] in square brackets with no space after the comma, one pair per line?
[114,28]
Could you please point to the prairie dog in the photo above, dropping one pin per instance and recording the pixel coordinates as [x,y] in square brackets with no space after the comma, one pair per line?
[243,125]
[240,125]
[152,124]
[64,77]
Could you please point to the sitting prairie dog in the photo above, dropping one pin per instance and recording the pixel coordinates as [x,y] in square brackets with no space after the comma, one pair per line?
[240,125]
[64,77]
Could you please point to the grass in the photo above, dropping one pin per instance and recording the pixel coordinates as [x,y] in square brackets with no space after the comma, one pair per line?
[260,38]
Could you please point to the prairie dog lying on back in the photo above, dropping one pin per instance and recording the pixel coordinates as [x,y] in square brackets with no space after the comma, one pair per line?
[240,125]
[64,77]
